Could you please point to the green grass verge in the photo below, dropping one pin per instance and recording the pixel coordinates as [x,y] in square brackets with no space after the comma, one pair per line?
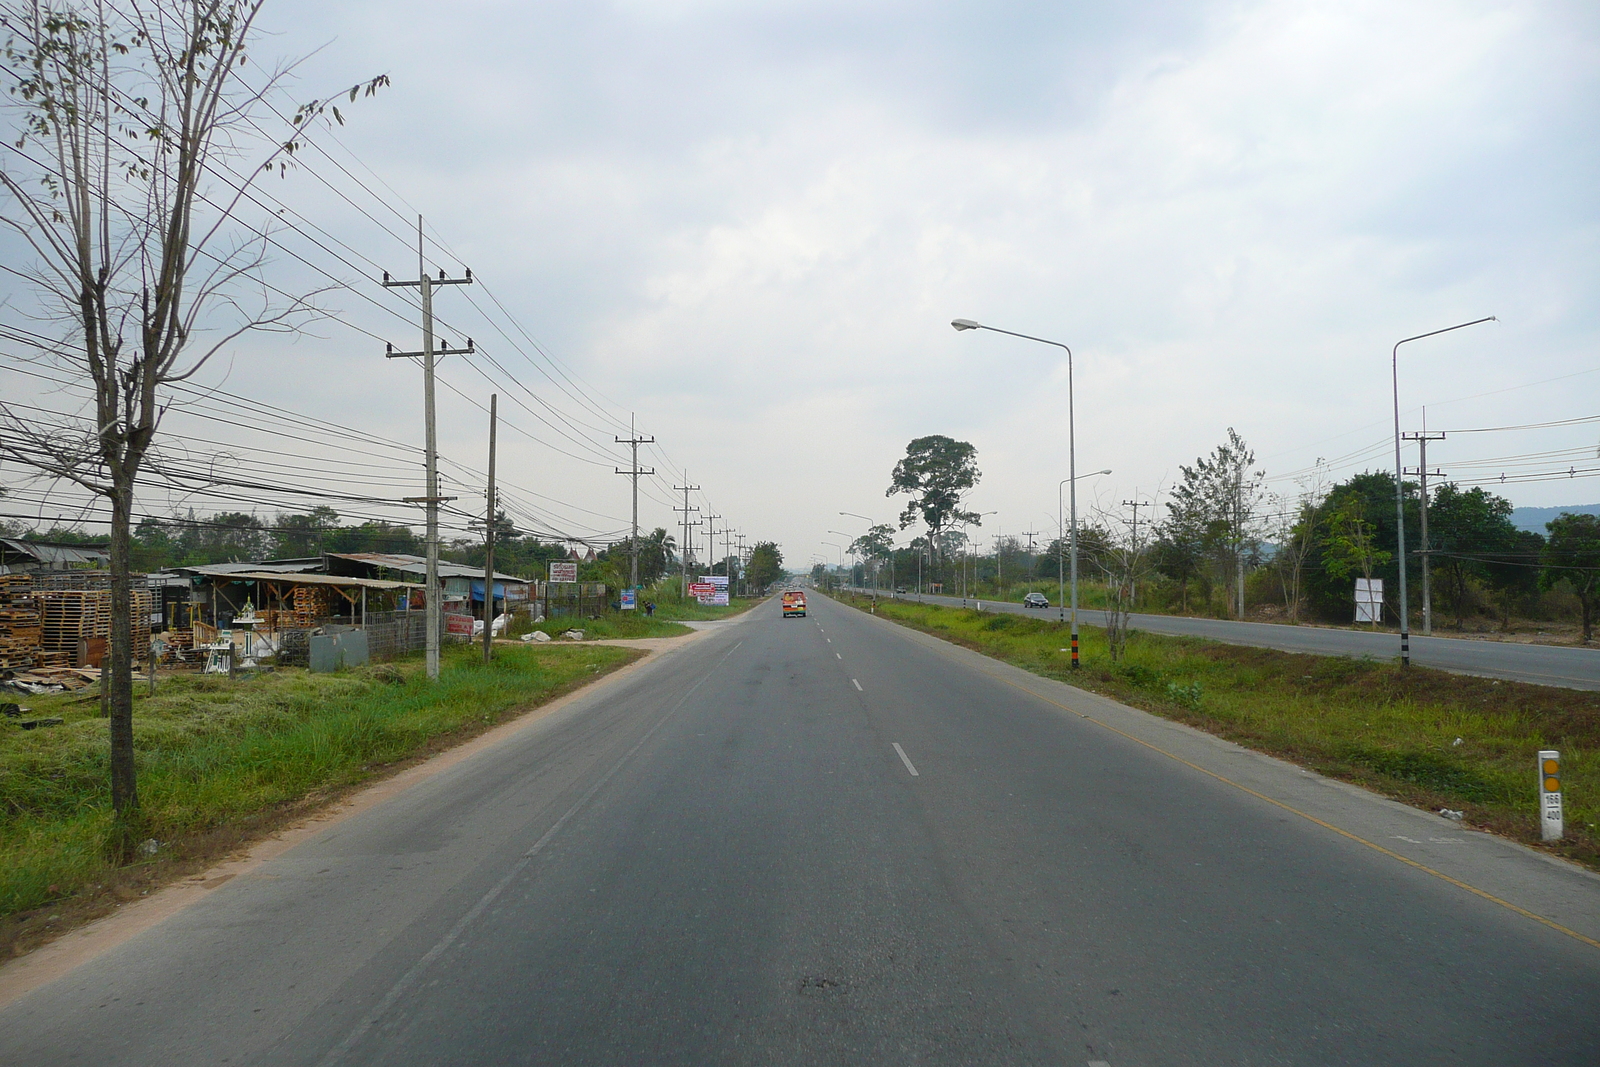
[215,754]
[1364,721]
[612,626]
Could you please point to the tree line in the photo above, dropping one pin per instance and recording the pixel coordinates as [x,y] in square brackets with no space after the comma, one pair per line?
[1223,544]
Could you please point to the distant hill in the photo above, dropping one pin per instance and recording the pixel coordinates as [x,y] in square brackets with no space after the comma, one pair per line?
[1535,518]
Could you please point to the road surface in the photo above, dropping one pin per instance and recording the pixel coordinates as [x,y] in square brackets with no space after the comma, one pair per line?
[831,840]
[1571,668]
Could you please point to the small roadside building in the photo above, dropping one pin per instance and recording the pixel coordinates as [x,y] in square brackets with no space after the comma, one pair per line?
[463,585]
[23,556]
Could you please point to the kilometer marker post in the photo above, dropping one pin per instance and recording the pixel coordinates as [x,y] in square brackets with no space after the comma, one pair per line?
[1551,823]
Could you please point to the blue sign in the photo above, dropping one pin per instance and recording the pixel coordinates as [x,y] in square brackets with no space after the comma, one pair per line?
[630,600]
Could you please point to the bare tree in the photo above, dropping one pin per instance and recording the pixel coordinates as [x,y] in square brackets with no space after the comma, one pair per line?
[1297,526]
[119,181]
[1123,558]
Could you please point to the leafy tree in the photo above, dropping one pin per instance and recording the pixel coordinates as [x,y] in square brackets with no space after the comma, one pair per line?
[298,536]
[766,565]
[1466,527]
[935,474]
[1513,570]
[1572,555]
[1348,546]
[375,536]
[1327,592]
[1216,504]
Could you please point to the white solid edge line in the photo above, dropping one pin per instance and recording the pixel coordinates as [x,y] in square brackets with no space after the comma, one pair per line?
[856,683]
[905,759]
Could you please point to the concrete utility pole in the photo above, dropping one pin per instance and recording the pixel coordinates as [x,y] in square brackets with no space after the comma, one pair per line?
[1400,481]
[711,540]
[432,499]
[1133,586]
[686,489]
[488,539]
[634,470]
[1422,437]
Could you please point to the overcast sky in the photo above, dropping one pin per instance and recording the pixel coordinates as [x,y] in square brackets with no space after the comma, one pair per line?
[752,223]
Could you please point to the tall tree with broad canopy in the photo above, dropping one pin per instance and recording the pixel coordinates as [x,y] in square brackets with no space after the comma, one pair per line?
[119,178]
[1572,555]
[936,474]
[1467,527]
[765,566]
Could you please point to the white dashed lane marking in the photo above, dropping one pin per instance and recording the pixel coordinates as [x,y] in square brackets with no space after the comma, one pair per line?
[905,759]
[855,683]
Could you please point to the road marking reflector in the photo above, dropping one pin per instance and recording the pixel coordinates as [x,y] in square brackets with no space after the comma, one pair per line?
[855,683]
[905,759]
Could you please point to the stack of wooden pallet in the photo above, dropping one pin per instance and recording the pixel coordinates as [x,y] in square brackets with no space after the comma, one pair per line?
[72,619]
[19,623]
[311,605]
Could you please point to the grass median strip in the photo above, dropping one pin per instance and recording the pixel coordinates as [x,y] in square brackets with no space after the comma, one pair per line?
[1425,737]
[221,760]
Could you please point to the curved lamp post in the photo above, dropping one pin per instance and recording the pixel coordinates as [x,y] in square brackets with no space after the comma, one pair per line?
[1400,485]
[1072,459]
[852,551]
[870,523]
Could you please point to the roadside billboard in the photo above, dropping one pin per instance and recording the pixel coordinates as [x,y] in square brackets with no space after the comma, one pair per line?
[564,572]
[712,589]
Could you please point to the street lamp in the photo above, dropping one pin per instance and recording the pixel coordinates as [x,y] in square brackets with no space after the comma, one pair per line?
[1072,459]
[870,523]
[1400,485]
[841,533]
[967,555]
[1061,528]
[841,552]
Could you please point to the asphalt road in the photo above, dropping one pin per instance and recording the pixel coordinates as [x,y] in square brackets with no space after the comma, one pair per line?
[1571,668]
[834,841]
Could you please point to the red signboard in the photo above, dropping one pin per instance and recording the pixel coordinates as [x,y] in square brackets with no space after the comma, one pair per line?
[458,624]
[701,589]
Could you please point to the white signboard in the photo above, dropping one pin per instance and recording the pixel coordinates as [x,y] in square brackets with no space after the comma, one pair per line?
[563,572]
[718,596]
[1369,600]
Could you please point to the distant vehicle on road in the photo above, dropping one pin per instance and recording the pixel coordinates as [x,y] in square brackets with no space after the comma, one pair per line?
[1035,600]
[794,605]
[900,591]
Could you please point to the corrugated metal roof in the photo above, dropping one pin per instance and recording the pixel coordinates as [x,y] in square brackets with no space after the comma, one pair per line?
[399,561]
[312,579]
[57,554]
[287,566]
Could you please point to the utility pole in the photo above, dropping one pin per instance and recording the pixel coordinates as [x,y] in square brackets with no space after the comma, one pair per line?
[1133,587]
[686,489]
[1422,437]
[711,540]
[742,561]
[433,605]
[634,470]
[488,539]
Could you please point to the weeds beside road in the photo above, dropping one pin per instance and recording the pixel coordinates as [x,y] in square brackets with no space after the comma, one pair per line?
[1389,729]
[220,761]
[668,620]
